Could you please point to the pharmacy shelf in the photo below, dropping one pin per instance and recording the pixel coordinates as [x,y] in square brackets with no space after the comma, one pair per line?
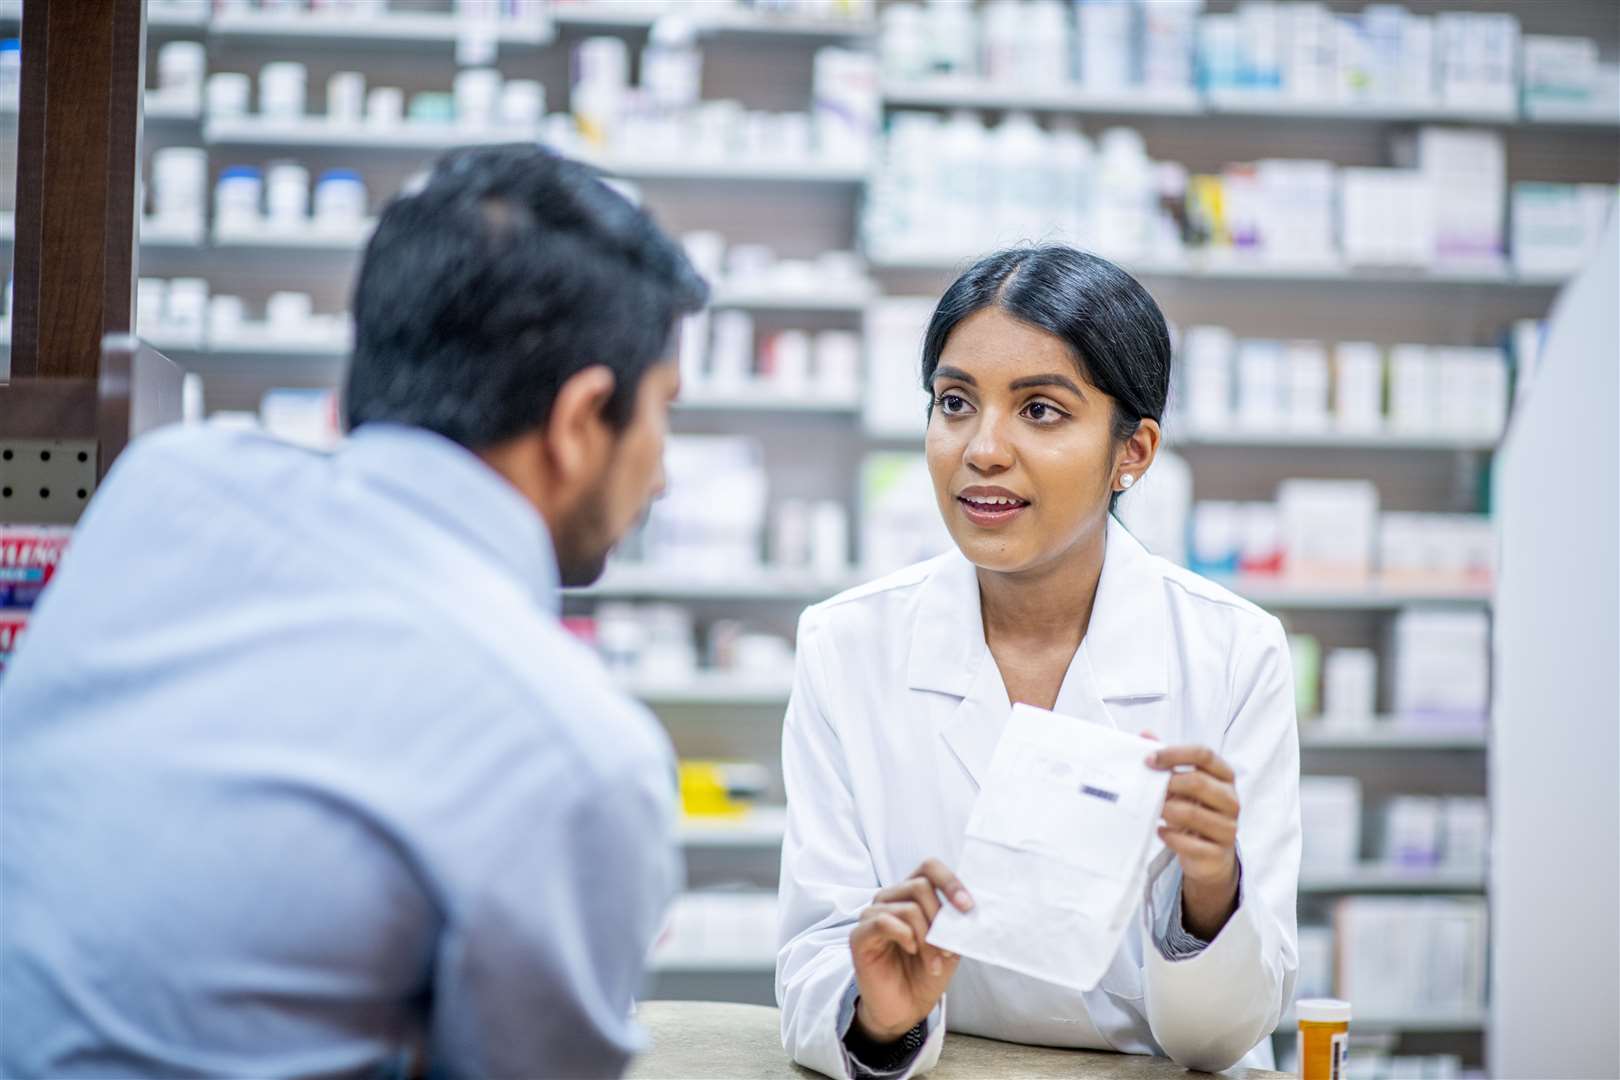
[318,132]
[170,234]
[1374,878]
[852,301]
[1416,1024]
[628,581]
[711,688]
[159,110]
[1570,115]
[1196,267]
[977,93]
[972,93]
[192,15]
[712,171]
[1240,103]
[1279,596]
[302,29]
[606,15]
[266,235]
[704,965]
[765,401]
[762,827]
[1385,734]
[1335,440]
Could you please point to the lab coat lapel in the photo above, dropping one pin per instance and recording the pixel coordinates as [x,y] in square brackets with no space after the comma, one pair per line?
[949,657]
[1127,644]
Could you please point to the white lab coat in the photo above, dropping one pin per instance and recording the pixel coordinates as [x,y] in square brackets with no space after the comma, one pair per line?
[896,710]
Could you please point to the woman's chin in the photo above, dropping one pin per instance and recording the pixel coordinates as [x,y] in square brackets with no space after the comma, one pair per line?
[992,553]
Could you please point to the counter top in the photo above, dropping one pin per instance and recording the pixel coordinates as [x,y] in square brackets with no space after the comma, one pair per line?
[722,1040]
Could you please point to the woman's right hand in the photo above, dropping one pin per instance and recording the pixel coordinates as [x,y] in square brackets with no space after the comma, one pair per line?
[899,976]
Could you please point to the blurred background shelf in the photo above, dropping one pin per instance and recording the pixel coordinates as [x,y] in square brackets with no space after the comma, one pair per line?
[761,828]
[412,137]
[302,29]
[711,688]
[1374,878]
[1333,440]
[1386,735]
[606,15]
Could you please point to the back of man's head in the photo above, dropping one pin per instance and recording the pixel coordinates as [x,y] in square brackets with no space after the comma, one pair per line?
[509,271]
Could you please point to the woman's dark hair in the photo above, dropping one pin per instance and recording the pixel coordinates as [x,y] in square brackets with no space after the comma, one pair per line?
[1113,328]
[508,272]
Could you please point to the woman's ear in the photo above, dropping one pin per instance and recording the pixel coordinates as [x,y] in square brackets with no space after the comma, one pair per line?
[1136,456]
[578,437]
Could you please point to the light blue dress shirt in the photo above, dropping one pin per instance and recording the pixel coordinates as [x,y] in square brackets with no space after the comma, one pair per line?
[301,776]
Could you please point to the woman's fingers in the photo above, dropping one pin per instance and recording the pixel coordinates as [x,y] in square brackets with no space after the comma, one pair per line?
[1201,853]
[1201,821]
[1197,757]
[914,890]
[1200,787]
[940,876]
[884,926]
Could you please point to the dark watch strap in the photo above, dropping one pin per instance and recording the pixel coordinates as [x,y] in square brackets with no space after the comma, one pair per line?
[884,1056]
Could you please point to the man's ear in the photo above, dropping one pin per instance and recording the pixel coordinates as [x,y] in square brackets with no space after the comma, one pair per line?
[577,432]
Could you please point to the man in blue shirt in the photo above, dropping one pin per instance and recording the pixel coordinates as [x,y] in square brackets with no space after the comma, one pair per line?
[301,774]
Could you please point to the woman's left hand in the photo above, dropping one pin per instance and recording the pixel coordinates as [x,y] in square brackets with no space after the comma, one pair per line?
[1200,826]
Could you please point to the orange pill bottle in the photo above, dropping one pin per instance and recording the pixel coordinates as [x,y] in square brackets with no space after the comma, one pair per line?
[1324,1037]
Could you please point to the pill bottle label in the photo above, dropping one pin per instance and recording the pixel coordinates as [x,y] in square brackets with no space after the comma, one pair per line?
[1337,1048]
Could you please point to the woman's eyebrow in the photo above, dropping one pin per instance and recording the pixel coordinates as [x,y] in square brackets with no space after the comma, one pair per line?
[1051,379]
[956,373]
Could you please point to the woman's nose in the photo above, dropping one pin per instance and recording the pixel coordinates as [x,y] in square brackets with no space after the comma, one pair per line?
[989,452]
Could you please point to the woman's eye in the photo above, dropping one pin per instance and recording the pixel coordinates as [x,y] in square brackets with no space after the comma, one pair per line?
[1042,413]
[952,404]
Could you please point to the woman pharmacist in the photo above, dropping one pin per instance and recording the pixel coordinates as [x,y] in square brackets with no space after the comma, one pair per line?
[1048,370]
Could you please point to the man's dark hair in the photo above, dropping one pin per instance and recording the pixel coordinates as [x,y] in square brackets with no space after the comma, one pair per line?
[508,272]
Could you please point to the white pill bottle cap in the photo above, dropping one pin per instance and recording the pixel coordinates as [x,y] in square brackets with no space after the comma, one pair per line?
[1323,1010]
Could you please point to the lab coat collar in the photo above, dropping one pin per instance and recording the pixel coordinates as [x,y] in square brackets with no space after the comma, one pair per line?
[1127,642]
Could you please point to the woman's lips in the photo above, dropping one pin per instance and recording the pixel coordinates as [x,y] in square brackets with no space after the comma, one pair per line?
[988,514]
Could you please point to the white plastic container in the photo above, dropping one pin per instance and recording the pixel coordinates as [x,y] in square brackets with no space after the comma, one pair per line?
[385,106]
[345,97]
[829,539]
[286,313]
[179,183]
[228,94]
[671,65]
[601,77]
[952,38]
[182,67]
[224,318]
[478,93]
[340,199]
[787,362]
[287,195]
[282,90]
[237,198]
[837,364]
[186,309]
[523,103]
[732,354]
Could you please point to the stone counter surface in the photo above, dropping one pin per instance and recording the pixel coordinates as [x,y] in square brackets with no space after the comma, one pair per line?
[692,1039]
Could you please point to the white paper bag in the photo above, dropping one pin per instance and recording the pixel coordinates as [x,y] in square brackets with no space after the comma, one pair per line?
[1057,849]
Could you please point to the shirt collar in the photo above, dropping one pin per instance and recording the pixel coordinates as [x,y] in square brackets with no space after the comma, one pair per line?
[1127,641]
[459,493]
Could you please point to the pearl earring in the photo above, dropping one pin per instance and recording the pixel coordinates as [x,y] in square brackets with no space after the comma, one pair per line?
[1127,480]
